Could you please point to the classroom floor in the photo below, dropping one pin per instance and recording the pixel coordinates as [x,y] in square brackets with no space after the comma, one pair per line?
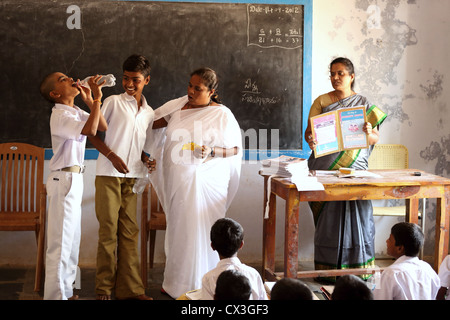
[18,283]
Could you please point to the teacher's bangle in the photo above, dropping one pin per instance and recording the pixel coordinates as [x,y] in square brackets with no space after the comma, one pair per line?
[98,100]
[107,155]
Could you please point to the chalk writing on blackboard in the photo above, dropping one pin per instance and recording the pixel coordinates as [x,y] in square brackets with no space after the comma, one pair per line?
[270,26]
[251,94]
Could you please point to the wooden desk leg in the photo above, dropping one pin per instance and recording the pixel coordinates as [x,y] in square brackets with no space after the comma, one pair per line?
[442,228]
[412,211]
[269,235]
[291,235]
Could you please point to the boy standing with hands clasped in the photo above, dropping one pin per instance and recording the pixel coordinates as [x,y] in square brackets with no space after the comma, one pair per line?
[118,166]
[69,126]
[408,278]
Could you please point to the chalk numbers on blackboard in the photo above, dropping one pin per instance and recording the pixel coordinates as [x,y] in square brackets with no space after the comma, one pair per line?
[272,26]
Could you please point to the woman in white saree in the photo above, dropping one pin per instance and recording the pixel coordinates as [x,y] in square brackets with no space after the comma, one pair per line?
[197,145]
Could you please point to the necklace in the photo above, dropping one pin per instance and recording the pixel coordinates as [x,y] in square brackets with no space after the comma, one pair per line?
[190,106]
[343,106]
[339,100]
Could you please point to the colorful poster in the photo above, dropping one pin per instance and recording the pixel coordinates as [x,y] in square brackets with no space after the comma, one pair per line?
[339,130]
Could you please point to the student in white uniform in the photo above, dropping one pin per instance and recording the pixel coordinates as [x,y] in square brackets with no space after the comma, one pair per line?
[120,163]
[227,238]
[444,276]
[69,126]
[408,278]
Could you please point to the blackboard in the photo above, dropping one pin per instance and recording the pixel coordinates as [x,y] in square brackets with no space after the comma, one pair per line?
[257,50]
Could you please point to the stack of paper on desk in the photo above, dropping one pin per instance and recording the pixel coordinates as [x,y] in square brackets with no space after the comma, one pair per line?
[285,166]
[294,168]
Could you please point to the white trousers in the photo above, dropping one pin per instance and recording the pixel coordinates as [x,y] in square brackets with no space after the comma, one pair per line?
[64,191]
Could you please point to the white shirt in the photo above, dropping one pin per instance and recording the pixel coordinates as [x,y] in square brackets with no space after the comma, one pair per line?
[68,143]
[444,274]
[126,134]
[210,278]
[408,278]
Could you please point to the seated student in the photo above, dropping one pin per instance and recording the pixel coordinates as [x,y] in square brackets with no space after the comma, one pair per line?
[351,287]
[232,285]
[444,276]
[408,278]
[290,289]
[227,237]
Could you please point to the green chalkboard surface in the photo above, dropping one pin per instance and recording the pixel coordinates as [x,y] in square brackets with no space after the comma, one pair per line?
[257,50]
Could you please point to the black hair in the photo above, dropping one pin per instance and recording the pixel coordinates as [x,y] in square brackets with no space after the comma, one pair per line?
[232,285]
[351,287]
[47,85]
[210,80]
[348,66]
[137,63]
[226,237]
[290,289]
[410,236]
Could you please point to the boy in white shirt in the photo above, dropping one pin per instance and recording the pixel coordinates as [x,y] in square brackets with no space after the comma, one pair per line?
[227,238]
[444,276]
[408,278]
[69,126]
[118,166]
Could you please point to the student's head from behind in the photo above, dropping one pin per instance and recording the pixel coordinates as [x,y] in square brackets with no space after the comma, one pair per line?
[136,74]
[232,285]
[290,289]
[227,237]
[405,239]
[351,287]
[57,87]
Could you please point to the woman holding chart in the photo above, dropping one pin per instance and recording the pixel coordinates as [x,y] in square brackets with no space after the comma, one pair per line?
[198,150]
[345,231]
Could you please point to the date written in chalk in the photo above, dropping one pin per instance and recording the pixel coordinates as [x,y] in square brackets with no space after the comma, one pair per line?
[231,309]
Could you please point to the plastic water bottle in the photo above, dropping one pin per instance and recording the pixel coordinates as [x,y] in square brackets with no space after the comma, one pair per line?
[140,184]
[374,281]
[110,81]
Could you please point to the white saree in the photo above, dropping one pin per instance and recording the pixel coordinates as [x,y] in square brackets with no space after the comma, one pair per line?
[194,192]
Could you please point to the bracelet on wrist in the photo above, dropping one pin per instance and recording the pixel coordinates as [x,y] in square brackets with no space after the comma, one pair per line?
[212,154]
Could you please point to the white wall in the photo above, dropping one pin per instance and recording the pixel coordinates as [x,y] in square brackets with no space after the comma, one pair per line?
[401,66]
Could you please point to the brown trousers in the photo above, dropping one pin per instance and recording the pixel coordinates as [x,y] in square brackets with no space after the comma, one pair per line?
[117,254]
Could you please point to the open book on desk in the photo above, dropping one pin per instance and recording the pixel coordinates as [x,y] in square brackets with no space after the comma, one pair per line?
[339,130]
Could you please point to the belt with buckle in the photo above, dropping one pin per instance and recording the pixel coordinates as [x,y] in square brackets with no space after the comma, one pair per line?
[75,169]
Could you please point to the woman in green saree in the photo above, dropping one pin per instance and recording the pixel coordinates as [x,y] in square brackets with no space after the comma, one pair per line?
[345,231]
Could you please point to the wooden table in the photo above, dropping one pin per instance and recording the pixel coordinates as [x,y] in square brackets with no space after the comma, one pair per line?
[393,184]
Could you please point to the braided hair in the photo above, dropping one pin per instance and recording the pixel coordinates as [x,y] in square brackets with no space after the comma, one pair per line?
[210,80]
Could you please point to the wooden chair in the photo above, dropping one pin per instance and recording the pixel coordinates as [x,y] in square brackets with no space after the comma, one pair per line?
[389,156]
[149,225]
[392,156]
[23,199]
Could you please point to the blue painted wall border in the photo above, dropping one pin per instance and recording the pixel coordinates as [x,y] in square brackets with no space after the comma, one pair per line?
[255,155]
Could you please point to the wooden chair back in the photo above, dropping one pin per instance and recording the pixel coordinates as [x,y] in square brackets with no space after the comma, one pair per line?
[150,222]
[23,195]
